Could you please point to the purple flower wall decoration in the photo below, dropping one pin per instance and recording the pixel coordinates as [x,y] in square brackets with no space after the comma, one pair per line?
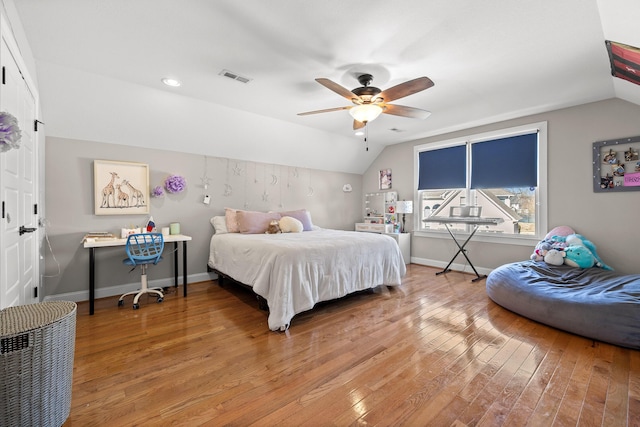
[10,132]
[175,184]
[157,191]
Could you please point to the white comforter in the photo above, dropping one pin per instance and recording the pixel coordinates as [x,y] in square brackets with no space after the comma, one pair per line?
[294,271]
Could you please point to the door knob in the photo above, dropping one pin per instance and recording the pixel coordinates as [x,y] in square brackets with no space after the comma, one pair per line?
[24,229]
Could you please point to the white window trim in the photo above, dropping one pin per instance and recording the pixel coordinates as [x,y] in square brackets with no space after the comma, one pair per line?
[541,212]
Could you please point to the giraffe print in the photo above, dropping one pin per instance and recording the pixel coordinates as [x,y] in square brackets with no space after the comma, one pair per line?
[123,197]
[108,192]
[135,193]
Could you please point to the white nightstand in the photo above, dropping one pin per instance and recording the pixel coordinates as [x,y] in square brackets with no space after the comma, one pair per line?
[404,242]
[402,239]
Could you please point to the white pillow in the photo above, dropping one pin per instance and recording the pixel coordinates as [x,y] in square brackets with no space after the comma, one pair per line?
[289,224]
[301,215]
[219,224]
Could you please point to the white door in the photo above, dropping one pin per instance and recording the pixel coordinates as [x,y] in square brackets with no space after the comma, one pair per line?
[18,173]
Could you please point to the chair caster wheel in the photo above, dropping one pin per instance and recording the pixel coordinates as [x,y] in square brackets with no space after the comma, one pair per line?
[160,299]
[136,306]
[120,303]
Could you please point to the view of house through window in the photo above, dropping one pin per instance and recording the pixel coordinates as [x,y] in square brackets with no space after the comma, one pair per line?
[515,196]
[516,206]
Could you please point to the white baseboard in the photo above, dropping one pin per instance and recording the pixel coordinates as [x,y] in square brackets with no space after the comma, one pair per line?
[465,268]
[110,291]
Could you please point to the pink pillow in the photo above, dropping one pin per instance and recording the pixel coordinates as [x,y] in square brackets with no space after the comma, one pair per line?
[301,215]
[561,230]
[251,222]
[231,220]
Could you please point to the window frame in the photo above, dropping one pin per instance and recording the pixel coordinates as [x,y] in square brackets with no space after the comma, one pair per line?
[468,140]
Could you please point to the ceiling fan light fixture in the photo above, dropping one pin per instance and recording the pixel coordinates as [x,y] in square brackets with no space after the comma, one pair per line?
[365,113]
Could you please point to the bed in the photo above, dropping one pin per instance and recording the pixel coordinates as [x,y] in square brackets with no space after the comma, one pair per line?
[592,302]
[295,271]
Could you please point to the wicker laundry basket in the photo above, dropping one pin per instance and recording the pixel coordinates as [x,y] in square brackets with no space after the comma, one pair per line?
[36,363]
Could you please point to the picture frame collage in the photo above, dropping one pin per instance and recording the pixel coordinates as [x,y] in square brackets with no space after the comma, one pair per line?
[616,165]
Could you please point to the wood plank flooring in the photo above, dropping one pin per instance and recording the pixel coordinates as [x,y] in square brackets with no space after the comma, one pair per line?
[435,351]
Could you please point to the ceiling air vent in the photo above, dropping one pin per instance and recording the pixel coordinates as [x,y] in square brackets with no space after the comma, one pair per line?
[396,130]
[234,76]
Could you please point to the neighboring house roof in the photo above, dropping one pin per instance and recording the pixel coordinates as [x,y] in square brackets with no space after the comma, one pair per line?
[508,214]
[506,210]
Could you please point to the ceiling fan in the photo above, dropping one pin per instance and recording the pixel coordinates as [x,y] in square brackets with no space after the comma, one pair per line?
[369,101]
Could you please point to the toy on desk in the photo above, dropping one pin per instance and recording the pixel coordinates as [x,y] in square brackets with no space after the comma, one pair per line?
[124,232]
[150,225]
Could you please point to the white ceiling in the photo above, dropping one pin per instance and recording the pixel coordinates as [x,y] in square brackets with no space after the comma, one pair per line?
[490,60]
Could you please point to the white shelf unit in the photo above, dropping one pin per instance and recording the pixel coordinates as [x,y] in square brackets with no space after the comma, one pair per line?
[380,208]
[380,217]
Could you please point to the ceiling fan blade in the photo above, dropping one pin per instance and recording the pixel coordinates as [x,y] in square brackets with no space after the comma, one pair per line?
[328,110]
[340,90]
[406,89]
[357,125]
[403,111]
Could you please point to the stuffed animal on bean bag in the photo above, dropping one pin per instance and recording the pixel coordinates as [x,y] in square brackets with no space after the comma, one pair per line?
[555,239]
[555,257]
[579,256]
[541,250]
[273,228]
[580,240]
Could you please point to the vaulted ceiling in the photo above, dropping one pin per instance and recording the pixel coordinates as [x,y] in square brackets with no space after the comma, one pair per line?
[99,63]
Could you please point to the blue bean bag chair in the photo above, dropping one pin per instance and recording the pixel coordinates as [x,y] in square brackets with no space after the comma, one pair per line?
[592,302]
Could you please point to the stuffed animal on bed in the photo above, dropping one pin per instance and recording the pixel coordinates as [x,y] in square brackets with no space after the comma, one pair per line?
[273,228]
[289,224]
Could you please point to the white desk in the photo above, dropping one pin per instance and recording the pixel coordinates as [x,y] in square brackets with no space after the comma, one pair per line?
[476,222]
[92,245]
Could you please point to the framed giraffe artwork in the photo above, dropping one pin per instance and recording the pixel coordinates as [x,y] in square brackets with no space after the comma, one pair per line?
[120,188]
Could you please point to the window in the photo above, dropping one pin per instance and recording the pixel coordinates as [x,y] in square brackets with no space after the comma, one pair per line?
[503,173]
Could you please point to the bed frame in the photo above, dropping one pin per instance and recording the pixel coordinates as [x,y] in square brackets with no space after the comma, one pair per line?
[223,278]
[262,302]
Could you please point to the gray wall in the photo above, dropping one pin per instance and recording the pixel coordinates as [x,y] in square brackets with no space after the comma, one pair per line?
[609,220]
[69,201]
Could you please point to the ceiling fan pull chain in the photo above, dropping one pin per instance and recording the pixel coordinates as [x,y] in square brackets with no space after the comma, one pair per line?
[366,136]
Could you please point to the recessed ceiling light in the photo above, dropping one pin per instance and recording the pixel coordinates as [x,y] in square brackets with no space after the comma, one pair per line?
[359,133]
[171,82]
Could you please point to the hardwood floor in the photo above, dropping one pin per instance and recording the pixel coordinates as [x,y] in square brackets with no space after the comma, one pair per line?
[435,351]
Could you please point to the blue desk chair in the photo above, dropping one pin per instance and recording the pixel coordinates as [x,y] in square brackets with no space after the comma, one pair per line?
[142,250]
